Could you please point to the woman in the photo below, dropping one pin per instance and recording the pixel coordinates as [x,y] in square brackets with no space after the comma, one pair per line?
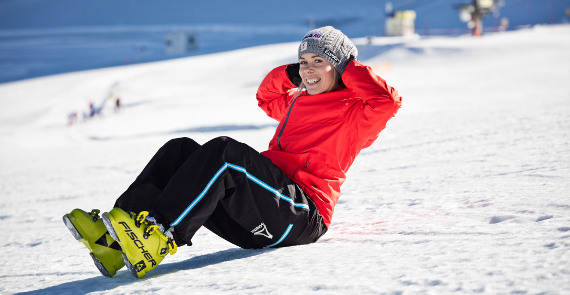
[329,107]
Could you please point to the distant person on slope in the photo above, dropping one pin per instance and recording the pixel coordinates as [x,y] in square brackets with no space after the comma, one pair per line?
[329,107]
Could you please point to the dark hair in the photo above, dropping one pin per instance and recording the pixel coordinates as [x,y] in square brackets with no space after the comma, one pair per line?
[339,79]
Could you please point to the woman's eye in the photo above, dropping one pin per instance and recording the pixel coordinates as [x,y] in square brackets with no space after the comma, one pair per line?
[303,62]
[318,60]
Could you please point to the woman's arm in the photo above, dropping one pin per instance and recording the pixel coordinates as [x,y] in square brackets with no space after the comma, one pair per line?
[379,102]
[275,91]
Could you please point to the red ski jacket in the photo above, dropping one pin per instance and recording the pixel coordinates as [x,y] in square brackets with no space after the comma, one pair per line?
[319,136]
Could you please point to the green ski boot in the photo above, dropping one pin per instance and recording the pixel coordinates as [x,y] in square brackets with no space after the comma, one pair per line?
[142,240]
[89,229]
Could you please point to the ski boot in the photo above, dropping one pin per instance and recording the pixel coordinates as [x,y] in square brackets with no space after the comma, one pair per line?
[89,229]
[142,240]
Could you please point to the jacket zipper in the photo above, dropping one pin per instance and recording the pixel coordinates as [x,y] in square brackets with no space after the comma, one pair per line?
[285,123]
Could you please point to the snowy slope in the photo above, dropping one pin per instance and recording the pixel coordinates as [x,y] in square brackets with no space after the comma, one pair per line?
[466,191]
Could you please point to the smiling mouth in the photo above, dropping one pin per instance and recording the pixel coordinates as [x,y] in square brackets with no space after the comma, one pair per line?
[310,82]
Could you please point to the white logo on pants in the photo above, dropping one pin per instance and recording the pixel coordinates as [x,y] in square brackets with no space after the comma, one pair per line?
[261,230]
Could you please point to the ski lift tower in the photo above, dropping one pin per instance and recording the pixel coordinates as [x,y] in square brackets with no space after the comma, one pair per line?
[473,13]
[399,22]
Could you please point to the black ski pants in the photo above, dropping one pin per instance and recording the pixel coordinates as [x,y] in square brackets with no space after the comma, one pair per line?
[229,188]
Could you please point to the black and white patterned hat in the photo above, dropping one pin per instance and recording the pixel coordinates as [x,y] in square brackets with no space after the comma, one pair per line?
[330,44]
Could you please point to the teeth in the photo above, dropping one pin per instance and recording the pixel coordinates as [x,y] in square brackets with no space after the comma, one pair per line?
[312,81]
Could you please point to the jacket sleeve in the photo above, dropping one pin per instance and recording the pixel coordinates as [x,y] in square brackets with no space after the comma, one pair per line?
[274,93]
[378,101]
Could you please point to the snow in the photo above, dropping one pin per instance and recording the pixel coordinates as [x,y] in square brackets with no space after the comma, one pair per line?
[466,191]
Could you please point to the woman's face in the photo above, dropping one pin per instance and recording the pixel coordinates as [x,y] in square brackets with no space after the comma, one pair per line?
[317,73]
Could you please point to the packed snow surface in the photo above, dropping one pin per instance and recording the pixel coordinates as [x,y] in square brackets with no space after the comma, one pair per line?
[466,190]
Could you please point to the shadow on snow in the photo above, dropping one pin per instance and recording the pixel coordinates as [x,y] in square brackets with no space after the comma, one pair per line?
[124,278]
[202,129]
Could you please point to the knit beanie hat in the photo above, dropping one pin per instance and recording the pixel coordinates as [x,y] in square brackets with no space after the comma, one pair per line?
[330,44]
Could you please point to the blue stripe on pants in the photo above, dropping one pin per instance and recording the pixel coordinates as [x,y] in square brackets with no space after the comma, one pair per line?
[287,231]
[249,176]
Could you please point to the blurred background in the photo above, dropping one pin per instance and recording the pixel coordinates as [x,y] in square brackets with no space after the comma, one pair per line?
[43,37]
